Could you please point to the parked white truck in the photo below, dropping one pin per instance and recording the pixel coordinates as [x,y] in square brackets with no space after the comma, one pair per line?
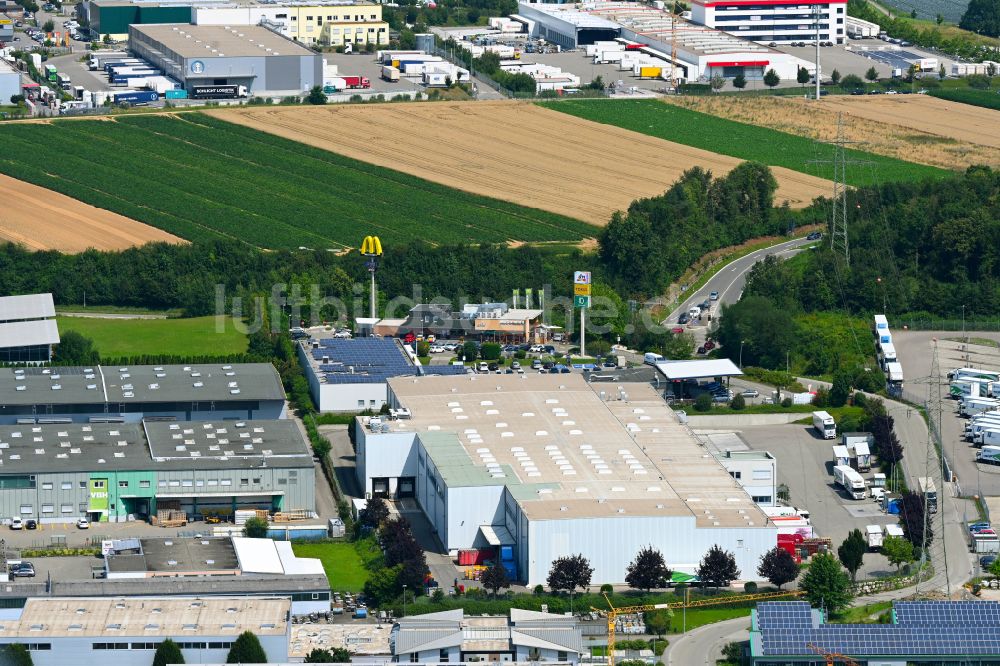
[874,537]
[989,455]
[929,491]
[850,481]
[973,406]
[825,425]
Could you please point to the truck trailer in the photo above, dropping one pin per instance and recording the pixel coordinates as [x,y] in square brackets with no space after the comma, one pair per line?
[824,425]
[874,536]
[929,492]
[135,97]
[217,92]
[972,406]
[989,455]
[974,373]
[390,73]
[969,388]
[841,456]
[850,481]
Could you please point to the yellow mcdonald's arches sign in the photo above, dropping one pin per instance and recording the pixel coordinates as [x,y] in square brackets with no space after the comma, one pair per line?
[371,245]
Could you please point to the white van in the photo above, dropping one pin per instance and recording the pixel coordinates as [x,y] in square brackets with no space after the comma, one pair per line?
[694,312]
[649,358]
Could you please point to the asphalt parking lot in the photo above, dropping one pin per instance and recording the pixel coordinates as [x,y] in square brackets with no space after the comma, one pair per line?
[804,464]
[914,351]
[363,64]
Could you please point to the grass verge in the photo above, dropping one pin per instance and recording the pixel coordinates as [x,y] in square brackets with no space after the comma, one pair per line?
[341,561]
[124,338]
[988,99]
[740,140]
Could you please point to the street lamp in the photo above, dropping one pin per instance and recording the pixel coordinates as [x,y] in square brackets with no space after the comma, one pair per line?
[741,353]
[404,599]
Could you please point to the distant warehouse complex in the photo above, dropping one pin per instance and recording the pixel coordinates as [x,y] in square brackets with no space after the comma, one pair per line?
[27,323]
[702,50]
[548,466]
[201,57]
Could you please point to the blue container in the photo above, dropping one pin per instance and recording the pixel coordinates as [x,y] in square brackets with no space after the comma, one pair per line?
[895,507]
[506,553]
[511,569]
[177,94]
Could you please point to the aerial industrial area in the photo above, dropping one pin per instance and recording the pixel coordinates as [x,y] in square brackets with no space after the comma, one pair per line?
[609,332]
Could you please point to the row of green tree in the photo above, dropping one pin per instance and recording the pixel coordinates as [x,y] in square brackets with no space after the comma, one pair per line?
[398,562]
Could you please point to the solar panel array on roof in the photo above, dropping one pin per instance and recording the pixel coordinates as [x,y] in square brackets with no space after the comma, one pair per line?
[922,628]
[442,370]
[361,360]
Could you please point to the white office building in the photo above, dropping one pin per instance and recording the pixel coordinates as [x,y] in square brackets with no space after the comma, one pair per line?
[756,471]
[778,21]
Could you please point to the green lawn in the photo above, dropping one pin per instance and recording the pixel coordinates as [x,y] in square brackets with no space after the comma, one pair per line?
[747,142]
[989,99]
[341,562]
[204,179]
[697,617]
[197,336]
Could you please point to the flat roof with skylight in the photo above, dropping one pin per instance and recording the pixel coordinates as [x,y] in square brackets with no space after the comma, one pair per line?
[217,41]
[564,450]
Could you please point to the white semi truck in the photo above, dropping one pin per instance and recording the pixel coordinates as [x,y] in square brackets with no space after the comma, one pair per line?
[825,425]
[850,481]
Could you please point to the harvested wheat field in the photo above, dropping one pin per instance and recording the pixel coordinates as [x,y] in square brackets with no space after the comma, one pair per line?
[916,128]
[40,219]
[513,151]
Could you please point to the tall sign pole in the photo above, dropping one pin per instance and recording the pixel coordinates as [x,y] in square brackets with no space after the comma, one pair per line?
[371,247]
[581,300]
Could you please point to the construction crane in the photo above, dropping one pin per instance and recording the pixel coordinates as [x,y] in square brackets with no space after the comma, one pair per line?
[673,48]
[832,657]
[613,613]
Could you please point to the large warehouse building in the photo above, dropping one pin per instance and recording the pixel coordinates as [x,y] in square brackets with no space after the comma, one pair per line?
[203,57]
[548,466]
[132,393]
[110,472]
[702,52]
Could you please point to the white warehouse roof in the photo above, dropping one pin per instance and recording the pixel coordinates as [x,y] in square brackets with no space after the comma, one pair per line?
[29,306]
[700,369]
[26,333]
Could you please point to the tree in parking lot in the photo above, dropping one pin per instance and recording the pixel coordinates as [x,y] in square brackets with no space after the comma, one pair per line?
[469,351]
[48,26]
[802,76]
[423,348]
[835,76]
[255,528]
[678,346]
[872,74]
[648,570]
[740,81]
[495,578]
[738,402]
[852,552]
[247,650]
[771,78]
[778,567]
[718,567]
[897,550]
[490,351]
[717,82]
[703,402]
[168,652]
[569,572]
[851,82]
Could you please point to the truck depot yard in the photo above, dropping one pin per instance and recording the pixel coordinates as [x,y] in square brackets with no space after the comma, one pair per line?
[40,219]
[202,178]
[537,158]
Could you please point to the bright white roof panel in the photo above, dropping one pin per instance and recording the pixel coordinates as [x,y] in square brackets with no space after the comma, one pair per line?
[293,565]
[257,556]
[29,306]
[24,333]
[719,367]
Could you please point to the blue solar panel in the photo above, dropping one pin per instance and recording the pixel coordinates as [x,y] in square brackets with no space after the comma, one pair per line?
[443,370]
[361,360]
[923,628]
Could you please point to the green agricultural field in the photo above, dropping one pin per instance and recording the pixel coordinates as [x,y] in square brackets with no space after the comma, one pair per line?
[740,140]
[203,179]
[989,99]
[341,562]
[118,338]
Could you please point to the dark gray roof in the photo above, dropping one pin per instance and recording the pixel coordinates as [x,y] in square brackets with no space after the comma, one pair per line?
[74,447]
[139,384]
[278,442]
[179,554]
[172,586]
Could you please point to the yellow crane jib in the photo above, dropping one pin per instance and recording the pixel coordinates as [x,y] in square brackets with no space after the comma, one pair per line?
[832,658]
[371,246]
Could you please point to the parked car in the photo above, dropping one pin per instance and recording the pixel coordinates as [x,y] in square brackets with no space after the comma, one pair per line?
[16,523]
[31,524]
[975,527]
[986,560]
[515,365]
[714,296]
[684,318]
[750,393]
[816,235]
[701,350]
[83,524]
[536,364]
[22,570]
[344,333]
[677,329]
[709,345]
[493,366]
[436,349]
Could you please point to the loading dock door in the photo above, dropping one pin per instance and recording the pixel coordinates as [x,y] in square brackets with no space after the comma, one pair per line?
[407,487]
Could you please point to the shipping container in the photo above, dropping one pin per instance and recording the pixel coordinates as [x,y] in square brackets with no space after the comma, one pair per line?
[649,72]
[390,73]
[177,94]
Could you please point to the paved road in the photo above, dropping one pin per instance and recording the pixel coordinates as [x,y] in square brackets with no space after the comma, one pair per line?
[703,645]
[729,283]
